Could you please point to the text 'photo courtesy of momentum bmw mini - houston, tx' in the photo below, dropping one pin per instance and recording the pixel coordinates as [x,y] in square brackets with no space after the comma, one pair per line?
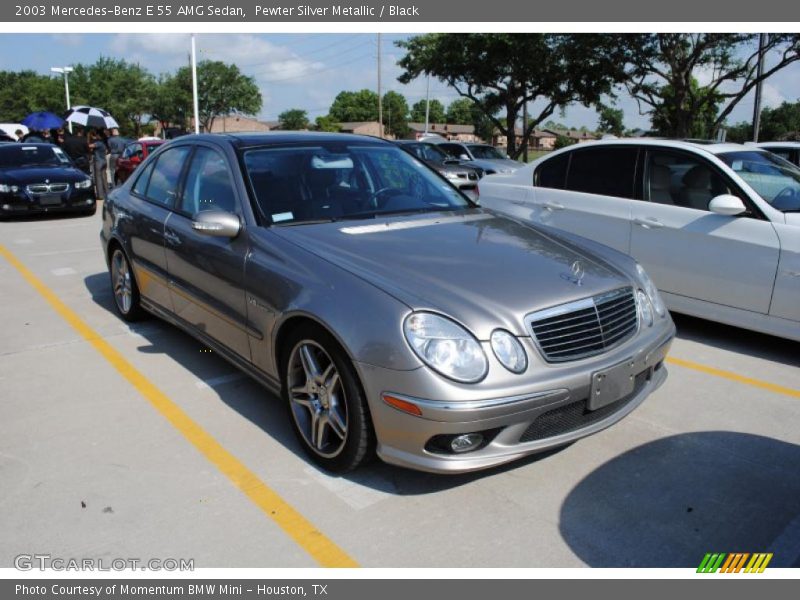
[361,285]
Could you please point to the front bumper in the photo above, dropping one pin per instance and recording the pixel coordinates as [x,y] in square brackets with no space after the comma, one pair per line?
[516,420]
[21,203]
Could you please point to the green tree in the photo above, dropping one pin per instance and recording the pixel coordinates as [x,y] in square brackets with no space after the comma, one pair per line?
[171,103]
[354,106]
[124,89]
[436,112]
[24,92]
[562,141]
[740,132]
[502,72]
[293,119]
[780,123]
[461,112]
[663,70]
[327,123]
[395,114]
[611,120]
[221,90]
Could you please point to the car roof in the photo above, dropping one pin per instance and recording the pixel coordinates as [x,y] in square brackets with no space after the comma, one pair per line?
[252,140]
[702,146]
[774,144]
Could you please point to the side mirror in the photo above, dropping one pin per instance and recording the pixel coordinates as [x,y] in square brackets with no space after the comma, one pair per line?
[727,204]
[464,157]
[217,223]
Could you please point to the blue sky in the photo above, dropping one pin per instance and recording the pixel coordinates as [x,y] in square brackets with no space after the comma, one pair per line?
[300,70]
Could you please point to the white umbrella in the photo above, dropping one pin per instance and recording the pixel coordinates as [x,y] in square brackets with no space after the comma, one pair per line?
[89,116]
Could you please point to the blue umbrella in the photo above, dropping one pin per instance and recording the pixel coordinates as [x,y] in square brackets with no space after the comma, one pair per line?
[42,120]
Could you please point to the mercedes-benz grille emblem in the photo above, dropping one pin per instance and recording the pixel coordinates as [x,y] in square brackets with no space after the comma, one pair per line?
[576,274]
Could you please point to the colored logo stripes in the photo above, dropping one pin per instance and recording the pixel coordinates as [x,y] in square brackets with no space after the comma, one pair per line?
[734,562]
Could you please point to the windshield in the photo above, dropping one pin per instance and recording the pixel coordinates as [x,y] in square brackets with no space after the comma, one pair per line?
[20,155]
[776,180]
[328,182]
[482,151]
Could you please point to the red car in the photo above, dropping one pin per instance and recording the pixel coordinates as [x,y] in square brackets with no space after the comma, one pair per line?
[132,156]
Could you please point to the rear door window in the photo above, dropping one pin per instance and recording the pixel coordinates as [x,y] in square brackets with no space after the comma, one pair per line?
[604,170]
[552,173]
[163,186]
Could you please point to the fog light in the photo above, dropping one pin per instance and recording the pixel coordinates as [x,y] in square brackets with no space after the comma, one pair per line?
[6,207]
[466,442]
[89,201]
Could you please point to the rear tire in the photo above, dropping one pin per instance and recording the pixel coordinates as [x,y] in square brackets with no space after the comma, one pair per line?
[325,400]
[123,285]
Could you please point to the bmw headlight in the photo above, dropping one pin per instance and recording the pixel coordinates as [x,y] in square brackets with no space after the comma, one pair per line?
[8,189]
[509,351]
[651,291]
[446,347]
[645,308]
[450,175]
[82,185]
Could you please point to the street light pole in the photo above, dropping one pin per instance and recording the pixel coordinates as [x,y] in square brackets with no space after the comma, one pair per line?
[65,71]
[195,100]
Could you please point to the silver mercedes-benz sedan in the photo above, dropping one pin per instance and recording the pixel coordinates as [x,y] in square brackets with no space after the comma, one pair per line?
[391,314]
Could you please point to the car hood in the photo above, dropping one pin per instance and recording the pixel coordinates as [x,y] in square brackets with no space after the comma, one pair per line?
[480,268]
[27,175]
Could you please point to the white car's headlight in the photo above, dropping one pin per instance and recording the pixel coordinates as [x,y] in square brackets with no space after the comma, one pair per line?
[8,189]
[651,291]
[645,309]
[450,175]
[446,347]
[82,185]
[509,351]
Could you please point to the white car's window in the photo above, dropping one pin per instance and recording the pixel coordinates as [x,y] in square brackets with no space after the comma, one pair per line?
[681,180]
[776,180]
[484,151]
[552,173]
[605,170]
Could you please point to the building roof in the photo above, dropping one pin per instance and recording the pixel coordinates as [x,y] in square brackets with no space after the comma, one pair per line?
[439,127]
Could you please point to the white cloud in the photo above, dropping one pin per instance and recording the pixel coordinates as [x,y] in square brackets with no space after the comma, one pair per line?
[68,39]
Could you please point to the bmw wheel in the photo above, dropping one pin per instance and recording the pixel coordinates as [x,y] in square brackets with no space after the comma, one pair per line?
[326,403]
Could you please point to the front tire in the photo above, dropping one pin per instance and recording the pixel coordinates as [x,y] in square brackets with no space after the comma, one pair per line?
[123,284]
[326,404]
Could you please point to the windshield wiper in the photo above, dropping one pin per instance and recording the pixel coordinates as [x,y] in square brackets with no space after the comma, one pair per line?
[307,222]
[375,214]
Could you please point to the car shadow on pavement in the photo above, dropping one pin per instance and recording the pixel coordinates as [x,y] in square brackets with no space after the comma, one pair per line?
[265,410]
[668,502]
[735,339]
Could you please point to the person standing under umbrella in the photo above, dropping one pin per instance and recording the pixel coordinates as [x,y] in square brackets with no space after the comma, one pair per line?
[77,148]
[99,151]
[115,147]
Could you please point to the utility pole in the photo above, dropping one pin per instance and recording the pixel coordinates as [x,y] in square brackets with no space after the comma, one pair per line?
[195,100]
[524,129]
[427,103]
[762,41]
[65,71]
[380,102]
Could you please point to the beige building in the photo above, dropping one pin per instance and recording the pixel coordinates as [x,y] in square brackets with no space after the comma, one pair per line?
[372,128]
[456,133]
[575,135]
[539,139]
[240,123]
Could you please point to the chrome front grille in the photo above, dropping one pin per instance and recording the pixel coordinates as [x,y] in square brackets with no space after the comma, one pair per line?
[47,188]
[586,327]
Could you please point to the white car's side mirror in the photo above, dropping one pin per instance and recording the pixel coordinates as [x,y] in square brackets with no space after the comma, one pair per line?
[727,204]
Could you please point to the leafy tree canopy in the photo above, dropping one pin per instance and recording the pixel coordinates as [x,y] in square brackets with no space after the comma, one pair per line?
[294,119]
[436,112]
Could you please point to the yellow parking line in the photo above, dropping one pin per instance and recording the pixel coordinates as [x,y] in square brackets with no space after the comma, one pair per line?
[766,385]
[302,531]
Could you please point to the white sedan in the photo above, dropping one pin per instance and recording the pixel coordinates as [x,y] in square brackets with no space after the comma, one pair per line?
[717,226]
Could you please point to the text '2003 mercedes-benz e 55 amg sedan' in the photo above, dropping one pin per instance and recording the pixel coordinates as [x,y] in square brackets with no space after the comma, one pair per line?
[390,313]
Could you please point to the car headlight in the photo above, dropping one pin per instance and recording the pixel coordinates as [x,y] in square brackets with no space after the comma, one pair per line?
[82,185]
[446,347]
[450,175]
[645,308]
[509,351]
[8,189]
[651,291]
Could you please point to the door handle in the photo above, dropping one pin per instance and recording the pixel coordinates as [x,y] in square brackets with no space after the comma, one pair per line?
[553,206]
[648,223]
[172,239]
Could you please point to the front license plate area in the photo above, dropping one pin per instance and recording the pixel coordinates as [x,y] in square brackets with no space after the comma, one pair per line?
[612,384]
[50,200]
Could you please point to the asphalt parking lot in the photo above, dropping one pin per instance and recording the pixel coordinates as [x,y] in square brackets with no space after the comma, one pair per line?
[135,441]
